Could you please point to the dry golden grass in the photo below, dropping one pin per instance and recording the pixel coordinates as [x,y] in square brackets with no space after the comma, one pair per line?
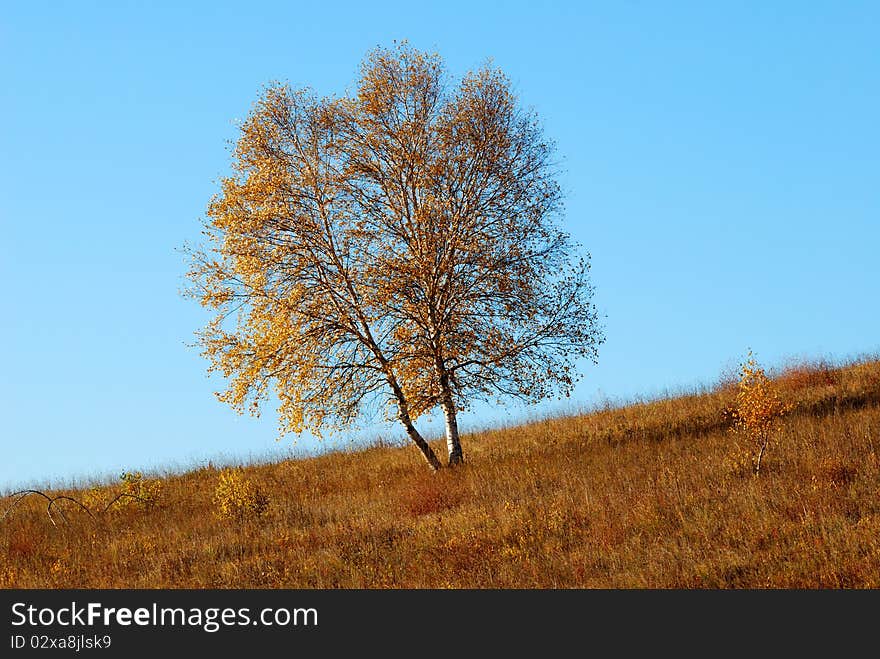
[643,496]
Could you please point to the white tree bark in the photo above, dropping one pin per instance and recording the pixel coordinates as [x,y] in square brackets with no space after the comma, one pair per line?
[453,443]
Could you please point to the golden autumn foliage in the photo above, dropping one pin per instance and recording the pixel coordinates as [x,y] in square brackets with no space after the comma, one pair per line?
[238,497]
[758,408]
[133,491]
[397,247]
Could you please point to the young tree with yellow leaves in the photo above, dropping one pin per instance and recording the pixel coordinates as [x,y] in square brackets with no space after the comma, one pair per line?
[398,245]
[758,407]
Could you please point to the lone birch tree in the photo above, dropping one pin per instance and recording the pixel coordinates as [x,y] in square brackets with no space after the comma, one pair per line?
[398,246]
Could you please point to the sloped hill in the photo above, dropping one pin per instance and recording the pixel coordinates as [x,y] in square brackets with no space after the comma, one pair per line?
[649,495]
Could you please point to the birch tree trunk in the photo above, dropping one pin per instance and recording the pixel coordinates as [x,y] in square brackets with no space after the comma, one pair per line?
[453,444]
[419,441]
[411,431]
[761,456]
[450,416]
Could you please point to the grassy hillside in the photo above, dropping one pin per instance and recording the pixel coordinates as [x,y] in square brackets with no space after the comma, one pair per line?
[650,495]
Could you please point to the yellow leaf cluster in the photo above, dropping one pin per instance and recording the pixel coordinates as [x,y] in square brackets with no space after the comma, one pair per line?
[239,498]
[758,405]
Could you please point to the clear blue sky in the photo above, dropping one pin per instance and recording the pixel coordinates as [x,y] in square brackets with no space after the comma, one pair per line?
[722,162]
